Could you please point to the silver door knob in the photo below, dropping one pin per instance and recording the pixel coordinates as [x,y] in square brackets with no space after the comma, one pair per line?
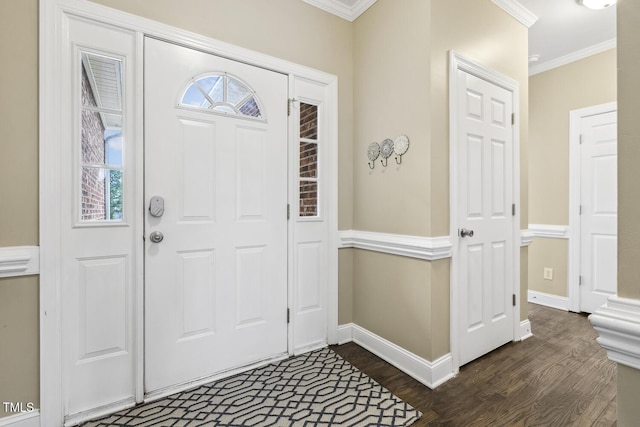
[156,237]
[466,233]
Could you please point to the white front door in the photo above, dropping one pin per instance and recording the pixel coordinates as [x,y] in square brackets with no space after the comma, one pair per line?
[216,285]
[485,217]
[599,207]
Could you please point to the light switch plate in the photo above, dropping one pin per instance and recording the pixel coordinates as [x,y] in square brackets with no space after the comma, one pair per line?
[548,273]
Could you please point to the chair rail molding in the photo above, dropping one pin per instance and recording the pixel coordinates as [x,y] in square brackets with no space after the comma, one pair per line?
[618,323]
[550,231]
[427,248]
[19,261]
[526,237]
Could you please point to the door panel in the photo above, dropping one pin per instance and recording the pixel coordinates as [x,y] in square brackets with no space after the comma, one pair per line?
[216,285]
[599,201]
[485,196]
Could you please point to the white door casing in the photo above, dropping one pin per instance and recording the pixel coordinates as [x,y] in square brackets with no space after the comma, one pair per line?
[593,245]
[56,127]
[484,198]
[216,286]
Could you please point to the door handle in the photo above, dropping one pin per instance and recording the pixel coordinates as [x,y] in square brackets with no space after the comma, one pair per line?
[463,232]
[156,237]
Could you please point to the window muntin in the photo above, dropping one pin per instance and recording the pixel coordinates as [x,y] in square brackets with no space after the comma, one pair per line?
[222,93]
[308,163]
[101,160]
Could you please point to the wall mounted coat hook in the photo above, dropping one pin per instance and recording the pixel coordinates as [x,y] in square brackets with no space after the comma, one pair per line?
[400,146]
[386,150]
[373,152]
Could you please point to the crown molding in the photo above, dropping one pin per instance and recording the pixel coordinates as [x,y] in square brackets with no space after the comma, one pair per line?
[618,324]
[342,10]
[518,11]
[573,57]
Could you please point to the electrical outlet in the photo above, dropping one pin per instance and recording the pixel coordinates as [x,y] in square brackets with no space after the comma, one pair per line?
[548,273]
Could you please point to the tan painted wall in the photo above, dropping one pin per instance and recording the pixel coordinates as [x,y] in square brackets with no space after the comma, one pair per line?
[398,91]
[628,189]
[20,375]
[553,94]
[19,197]
[548,253]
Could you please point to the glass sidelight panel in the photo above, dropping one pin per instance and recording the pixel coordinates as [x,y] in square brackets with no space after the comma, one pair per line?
[308,160]
[101,144]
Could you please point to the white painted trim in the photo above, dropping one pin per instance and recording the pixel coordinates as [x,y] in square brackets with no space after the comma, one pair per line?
[548,300]
[526,237]
[51,40]
[459,62]
[345,333]
[518,11]
[525,330]
[572,57]
[550,231]
[573,265]
[618,323]
[431,374]
[25,419]
[427,248]
[19,261]
[340,9]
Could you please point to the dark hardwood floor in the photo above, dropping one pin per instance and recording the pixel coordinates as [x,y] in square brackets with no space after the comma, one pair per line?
[558,377]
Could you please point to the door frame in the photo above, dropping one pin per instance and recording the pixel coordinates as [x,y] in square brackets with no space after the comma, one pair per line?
[462,63]
[575,188]
[52,39]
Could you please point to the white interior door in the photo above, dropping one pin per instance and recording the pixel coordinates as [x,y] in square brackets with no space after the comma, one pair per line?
[485,220]
[599,207]
[216,285]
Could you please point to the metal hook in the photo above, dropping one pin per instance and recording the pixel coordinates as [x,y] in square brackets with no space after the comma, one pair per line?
[399,162]
[384,161]
[372,165]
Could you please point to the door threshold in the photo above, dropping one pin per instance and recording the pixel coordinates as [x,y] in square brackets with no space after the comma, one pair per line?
[178,388]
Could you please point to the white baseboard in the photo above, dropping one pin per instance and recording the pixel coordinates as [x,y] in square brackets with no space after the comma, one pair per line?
[525,330]
[431,374]
[548,300]
[25,419]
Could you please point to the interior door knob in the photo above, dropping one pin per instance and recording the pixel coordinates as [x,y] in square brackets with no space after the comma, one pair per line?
[466,233]
[156,237]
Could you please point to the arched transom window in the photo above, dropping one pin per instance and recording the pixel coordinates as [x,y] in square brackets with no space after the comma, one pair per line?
[224,94]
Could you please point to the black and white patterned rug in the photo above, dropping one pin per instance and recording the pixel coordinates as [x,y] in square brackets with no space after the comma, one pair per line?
[315,389]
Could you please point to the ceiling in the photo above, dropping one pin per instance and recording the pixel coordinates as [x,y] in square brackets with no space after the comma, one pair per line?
[567,31]
[564,31]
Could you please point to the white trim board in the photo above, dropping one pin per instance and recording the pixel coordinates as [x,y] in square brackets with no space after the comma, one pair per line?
[550,231]
[618,323]
[427,248]
[526,237]
[573,57]
[548,300]
[525,330]
[19,261]
[518,11]
[25,419]
[431,374]
[339,8]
